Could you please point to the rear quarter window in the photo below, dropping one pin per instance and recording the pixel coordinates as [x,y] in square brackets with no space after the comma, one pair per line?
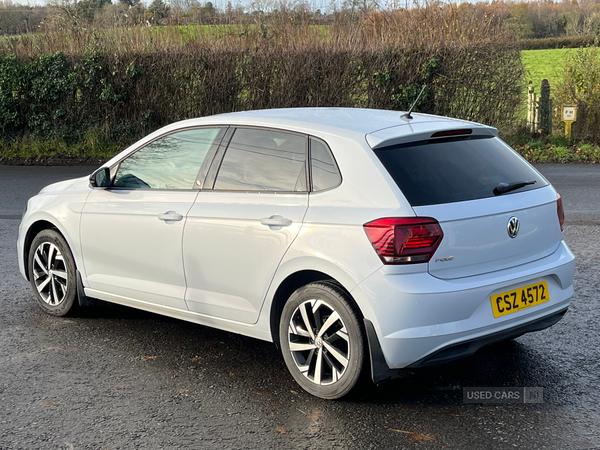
[455,169]
[324,171]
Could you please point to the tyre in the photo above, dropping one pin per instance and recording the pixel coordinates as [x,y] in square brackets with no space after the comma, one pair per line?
[323,340]
[52,273]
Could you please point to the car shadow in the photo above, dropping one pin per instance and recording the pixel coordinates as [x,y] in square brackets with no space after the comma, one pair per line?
[506,364]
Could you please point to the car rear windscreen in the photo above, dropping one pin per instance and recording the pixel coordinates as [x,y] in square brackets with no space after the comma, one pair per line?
[456,169]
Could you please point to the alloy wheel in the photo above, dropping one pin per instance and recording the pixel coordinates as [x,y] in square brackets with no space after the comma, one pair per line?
[50,273]
[319,343]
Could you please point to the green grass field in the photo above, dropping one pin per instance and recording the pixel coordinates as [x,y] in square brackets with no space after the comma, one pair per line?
[540,64]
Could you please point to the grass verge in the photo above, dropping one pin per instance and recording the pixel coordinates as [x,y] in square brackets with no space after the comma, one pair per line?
[30,152]
[559,150]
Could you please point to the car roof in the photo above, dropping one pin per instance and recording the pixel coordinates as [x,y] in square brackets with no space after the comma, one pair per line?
[379,128]
[339,121]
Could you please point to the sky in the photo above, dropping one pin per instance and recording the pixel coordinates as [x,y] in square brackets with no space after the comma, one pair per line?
[323,5]
[220,4]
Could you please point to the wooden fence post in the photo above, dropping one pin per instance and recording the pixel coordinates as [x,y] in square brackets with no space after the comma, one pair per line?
[545,108]
[532,111]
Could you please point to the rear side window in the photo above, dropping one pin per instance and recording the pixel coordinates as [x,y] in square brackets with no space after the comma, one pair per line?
[455,170]
[263,160]
[324,171]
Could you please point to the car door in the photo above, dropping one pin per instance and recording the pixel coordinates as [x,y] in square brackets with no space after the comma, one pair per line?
[245,218]
[131,233]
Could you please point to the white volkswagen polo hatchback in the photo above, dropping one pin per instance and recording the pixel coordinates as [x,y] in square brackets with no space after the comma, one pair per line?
[357,240]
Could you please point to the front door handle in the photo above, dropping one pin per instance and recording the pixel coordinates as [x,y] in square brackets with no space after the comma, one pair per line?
[170,216]
[276,221]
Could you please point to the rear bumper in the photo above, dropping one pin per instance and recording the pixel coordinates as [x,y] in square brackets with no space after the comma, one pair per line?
[418,320]
[380,372]
[467,348]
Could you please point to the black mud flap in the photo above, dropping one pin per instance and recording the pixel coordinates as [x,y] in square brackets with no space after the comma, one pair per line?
[84,300]
[380,372]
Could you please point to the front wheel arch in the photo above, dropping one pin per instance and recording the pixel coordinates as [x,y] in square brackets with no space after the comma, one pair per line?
[53,272]
[35,229]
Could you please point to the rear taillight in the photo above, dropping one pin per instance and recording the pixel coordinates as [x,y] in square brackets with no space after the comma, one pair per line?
[405,240]
[560,211]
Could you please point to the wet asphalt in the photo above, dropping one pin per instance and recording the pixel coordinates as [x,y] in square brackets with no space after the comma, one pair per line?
[118,378]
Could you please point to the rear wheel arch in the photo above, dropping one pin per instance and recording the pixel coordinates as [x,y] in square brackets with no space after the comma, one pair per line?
[292,283]
[323,340]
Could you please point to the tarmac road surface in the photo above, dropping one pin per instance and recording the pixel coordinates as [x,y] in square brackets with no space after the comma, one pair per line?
[117,378]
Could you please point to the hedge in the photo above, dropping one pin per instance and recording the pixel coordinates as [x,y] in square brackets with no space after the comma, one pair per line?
[118,98]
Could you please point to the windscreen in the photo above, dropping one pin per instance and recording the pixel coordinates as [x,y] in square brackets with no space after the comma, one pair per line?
[456,169]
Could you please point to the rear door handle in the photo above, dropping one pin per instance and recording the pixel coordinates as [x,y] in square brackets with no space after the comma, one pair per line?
[276,221]
[170,216]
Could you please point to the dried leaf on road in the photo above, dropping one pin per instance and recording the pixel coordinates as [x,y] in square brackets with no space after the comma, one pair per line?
[415,437]
[418,437]
[262,392]
[146,358]
[315,415]
[281,429]
[49,401]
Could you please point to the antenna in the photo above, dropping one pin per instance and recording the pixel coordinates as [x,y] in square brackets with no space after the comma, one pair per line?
[407,115]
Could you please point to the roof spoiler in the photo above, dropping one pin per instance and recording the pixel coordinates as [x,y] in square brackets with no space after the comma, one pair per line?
[426,131]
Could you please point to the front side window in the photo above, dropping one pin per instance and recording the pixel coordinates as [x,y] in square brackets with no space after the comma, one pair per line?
[263,160]
[170,162]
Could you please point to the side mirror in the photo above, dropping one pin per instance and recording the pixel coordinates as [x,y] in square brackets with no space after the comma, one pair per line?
[100,179]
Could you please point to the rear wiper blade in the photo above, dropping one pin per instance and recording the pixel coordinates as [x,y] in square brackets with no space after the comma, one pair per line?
[503,188]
